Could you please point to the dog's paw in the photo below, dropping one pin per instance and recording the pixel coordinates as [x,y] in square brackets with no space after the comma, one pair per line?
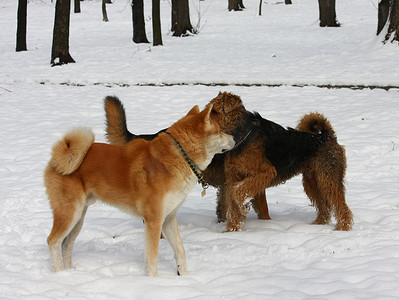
[181,270]
[232,229]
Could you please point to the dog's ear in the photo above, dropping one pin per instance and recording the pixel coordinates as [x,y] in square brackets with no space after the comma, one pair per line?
[194,111]
[206,115]
[230,101]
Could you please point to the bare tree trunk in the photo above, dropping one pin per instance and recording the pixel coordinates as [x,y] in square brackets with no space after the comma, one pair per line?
[383,13]
[60,48]
[181,23]
[235,5]
[139,35]
[288,2]
[156,23]
[260,7]
[21,25]
[76,5]
[328,17]
[104,10]
[393,27]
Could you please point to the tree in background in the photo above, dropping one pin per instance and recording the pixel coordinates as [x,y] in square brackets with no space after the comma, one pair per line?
[139,35]
[235,5]
[388,10]
[181,23]
[60,48]
[156,23]
[76,6]
[383,13]
[328,17]
[104,10]
[21,25]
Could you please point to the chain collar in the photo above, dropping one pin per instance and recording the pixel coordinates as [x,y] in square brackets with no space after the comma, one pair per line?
[192,165]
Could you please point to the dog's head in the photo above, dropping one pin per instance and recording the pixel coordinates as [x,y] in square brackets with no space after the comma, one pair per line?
[201,135]
[229,112]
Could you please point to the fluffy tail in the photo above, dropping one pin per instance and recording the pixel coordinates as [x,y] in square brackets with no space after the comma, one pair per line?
[69,152]
[117,132]
[316,123]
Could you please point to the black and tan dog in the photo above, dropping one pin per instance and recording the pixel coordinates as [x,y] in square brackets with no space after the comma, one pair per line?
[265,155]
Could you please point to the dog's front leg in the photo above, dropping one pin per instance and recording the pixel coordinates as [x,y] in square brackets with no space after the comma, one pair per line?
[152,234]
[237,209]
[171,231]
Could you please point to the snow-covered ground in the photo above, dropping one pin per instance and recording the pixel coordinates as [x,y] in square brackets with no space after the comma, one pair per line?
[285,258]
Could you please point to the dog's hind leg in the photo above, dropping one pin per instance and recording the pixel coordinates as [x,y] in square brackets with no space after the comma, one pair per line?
[153,230]
[323,207]
[62,226]
[67,244]
[335,193]
[171,231]
[259,204]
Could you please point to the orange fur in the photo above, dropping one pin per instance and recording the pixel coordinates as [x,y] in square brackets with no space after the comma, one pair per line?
[149,179]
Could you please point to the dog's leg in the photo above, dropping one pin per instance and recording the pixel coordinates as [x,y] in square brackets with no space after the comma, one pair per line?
[152,233]
[171,231]
[67,244]
[236,211]
[323,207]
[240,193]
[335,193]
[221,209]
[259,204]
[63,224]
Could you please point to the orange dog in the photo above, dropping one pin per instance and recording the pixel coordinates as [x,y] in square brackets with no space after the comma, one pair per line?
[148,179]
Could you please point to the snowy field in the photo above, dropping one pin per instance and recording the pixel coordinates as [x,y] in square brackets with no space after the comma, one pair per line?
[285,258]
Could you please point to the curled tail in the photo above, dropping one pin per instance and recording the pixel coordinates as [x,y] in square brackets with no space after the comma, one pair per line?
[117,132]
[69,152]
[316,123]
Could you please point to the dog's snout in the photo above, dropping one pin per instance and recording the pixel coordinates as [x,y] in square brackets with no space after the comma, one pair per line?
[230,143]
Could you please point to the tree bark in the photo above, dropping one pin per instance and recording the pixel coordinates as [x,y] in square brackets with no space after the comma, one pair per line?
[21,25]
[139,35]
[156,23]
[383,13]
[104,10]
[393,27]
[328,17]
[235,5]
[181,23]
[60,49]
[76,5]
[288,2]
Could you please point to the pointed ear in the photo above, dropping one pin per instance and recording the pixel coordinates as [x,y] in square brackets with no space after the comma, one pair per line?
[194,111]
[206,114]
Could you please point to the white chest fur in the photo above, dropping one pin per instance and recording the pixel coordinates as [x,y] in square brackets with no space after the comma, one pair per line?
[175,198]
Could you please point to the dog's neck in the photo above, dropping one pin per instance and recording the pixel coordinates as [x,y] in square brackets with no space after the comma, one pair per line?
[243,139]
[193,166]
